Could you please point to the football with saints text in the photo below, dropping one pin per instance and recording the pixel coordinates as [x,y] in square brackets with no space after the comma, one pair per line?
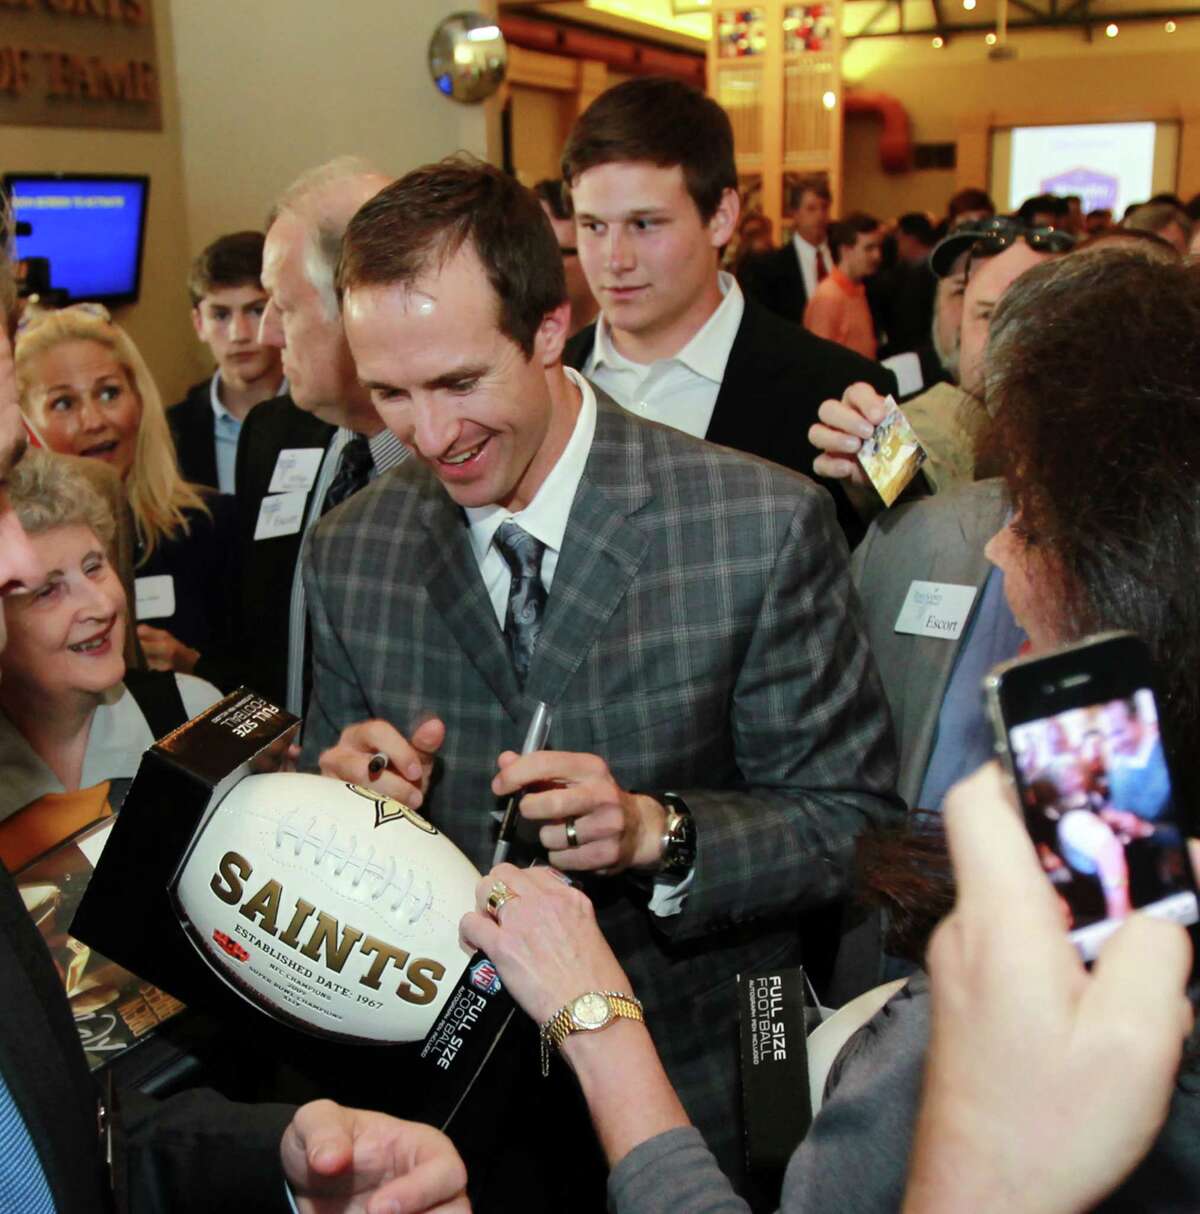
[329,906]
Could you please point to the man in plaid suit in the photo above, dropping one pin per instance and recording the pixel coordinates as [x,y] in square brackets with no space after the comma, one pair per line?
[699,634]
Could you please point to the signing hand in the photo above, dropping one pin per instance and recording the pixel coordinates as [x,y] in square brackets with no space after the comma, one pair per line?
[550,948]
[1045,1084]
[350,1161]
[613,829]
[164,652]
[410,760]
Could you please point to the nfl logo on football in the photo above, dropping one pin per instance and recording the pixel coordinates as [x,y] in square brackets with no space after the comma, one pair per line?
[484,977]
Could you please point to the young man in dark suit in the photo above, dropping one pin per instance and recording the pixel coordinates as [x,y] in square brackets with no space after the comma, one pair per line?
[685,610]
[652,176]
[228,300]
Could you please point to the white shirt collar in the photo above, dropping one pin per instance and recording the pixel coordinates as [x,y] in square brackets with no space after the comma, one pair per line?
[214,396]
[809,250]
[706,353]
[545,518]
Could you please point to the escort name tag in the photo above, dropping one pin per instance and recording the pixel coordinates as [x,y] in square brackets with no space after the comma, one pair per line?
[155,596]
[935,609]
[280,514]
[296,470]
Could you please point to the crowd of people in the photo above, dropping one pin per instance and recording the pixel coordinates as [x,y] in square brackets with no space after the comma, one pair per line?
[470,447]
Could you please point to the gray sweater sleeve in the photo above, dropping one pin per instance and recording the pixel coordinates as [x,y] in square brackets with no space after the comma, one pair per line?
[855,1156]
[672,1172]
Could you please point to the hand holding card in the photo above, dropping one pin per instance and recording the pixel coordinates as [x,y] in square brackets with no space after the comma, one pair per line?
[893,455]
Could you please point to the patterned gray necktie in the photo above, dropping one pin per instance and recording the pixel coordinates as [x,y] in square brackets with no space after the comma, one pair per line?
[526,594]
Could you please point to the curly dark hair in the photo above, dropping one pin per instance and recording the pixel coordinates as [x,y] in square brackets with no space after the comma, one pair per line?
[1093,378]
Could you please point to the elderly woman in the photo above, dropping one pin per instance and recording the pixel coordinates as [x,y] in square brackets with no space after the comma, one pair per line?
[1094,363]
[88,392]
[73,725]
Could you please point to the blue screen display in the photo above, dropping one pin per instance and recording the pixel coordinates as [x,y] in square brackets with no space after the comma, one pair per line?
[91,231]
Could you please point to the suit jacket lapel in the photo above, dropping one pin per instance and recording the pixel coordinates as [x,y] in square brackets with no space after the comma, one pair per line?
[601,551]
[734,420]
[457,590]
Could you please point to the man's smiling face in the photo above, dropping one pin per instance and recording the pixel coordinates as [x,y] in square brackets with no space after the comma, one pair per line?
[453,387]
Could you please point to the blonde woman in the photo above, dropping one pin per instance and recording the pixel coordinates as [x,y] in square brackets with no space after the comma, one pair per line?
[87,390]
[73,721]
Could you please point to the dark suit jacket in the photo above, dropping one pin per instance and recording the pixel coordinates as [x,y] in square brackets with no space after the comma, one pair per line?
[774,383]
[192,1152]
[701,635]
[263,581]
[191,422]
[775,281]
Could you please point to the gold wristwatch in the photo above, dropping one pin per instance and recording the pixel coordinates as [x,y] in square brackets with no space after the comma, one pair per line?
[586,1014]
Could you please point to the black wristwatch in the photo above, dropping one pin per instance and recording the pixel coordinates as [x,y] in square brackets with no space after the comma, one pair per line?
[679,837]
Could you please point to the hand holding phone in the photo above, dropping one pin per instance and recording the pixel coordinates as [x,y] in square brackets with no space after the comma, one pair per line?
[1079,731]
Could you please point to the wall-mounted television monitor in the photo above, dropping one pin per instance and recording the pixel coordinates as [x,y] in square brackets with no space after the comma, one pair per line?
[90,227]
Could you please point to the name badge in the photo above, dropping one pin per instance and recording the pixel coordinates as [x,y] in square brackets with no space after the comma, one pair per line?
[280,514]
[935,609]
[155,596]
[296,470]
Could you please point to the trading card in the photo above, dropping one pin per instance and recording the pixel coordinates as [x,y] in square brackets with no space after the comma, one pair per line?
[893,455]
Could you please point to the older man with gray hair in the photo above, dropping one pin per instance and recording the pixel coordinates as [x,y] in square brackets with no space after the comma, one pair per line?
[299,455]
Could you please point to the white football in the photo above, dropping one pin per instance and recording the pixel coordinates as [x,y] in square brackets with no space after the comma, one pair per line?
[329,906]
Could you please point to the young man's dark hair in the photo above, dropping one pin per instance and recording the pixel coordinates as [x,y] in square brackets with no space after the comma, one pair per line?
[808,183]
[916,224]
[230,261]
[662,122]
[556,196]
[967,200]
[418,223]
[1042,204]
[845,232]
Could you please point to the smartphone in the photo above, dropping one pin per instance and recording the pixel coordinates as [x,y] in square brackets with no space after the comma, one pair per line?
[1079,731]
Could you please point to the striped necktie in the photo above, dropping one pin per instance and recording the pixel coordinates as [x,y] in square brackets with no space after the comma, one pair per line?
[526,595]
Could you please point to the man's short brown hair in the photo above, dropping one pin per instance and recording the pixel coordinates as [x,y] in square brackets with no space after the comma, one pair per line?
[414,226]
[809,183]
[658,121]
[230,261]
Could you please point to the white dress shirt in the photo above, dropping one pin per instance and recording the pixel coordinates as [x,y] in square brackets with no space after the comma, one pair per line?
[545,518]
[680,391]
[807,256]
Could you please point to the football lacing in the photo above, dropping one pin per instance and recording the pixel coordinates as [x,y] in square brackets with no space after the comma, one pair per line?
[328,846]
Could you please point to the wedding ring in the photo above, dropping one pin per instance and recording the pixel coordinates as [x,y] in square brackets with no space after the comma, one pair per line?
[572,837]
[497,897]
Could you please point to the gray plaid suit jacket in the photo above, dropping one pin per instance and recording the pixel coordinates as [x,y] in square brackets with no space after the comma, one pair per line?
[701,635]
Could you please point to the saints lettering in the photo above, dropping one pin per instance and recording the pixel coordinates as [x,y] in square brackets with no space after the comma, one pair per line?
[321,938]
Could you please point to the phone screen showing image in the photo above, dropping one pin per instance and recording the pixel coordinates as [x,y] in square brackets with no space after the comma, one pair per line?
[1096,792]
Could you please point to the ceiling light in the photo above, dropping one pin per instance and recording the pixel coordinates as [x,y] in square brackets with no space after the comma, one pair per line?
[1169,27]
[829,100]
[969,5]
[1111,29]
[990,39]
[938,42]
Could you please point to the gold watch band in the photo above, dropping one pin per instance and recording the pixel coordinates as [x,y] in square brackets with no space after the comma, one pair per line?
[563,1023]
